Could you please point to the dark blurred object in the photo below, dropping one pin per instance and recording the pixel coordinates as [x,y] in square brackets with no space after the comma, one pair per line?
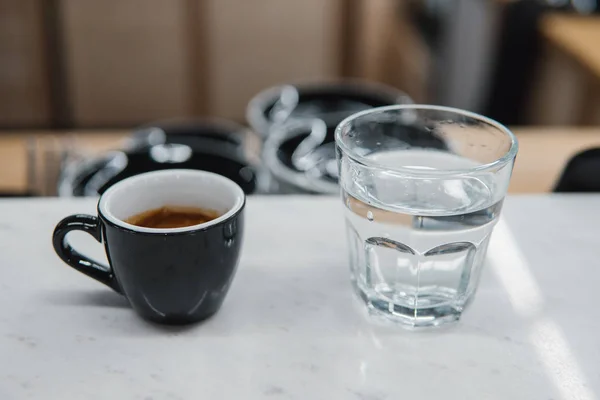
[290,114]
[428,19]
[519,49]
[172,131]
[209,145]
[300,158]
[300,154]
[330,102]
[582,173]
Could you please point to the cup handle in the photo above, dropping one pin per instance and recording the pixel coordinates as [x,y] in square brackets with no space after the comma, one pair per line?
[76,260]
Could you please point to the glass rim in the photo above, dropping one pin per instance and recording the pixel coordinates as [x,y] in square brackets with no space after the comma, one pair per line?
[499,162]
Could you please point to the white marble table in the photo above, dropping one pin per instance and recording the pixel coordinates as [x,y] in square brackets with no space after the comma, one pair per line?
[289,328]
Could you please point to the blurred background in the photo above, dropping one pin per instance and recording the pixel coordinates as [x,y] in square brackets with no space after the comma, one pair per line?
[79,78]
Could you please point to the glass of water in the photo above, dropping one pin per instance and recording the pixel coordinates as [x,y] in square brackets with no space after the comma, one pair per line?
[422,188]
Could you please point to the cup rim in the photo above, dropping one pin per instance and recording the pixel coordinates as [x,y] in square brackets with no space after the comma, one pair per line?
[365,161]
[255,109]
[104,212]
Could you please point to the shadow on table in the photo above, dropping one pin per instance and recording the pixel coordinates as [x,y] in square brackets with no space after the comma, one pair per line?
[115,319]
[91,298]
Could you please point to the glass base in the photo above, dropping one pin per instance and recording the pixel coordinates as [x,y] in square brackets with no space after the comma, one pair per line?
[383,310]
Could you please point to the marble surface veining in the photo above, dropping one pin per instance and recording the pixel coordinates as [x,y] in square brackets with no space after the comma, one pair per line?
[290,329]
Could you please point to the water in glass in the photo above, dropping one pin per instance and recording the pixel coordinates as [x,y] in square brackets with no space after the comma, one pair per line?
[417,245]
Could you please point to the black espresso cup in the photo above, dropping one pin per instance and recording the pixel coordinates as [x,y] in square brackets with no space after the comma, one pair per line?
[172,275]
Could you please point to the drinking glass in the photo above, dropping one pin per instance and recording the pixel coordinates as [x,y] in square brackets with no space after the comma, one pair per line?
[422,188]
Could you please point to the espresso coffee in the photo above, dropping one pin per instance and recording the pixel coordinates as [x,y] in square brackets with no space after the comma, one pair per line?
[172,217]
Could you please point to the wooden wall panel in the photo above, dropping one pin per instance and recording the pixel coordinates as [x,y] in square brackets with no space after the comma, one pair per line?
[407,62]
[126,61]
[260,43]
[24,97]
[374,29]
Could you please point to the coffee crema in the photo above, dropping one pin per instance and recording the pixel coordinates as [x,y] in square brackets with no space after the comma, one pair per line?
[172,217]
